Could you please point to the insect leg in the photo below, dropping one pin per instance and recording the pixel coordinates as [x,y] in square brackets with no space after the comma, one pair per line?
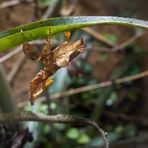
[46,49]
[67,35]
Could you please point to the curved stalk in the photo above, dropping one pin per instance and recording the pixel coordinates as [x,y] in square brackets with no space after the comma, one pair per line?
[40,29]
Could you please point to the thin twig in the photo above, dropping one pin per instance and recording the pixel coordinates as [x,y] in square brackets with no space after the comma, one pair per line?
[10,54]
[124,44]
[37,12]
[17,67]
[68,119]
[17,50]
[95,86]
[100,85]
[48,13]
[12,3]
[98,36]
[68,7]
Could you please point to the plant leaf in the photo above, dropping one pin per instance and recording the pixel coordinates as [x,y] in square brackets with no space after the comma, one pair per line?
[40,29]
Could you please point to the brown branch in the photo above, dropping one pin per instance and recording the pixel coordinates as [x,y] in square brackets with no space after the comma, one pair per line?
[16,68]
[68,7]
[67,119]
[124,44]
[12,3]
[100,85]
[50,10]
[98,37]
[95,86]
[10,54]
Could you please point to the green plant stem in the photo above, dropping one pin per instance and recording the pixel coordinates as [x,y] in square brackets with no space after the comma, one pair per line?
[40,29]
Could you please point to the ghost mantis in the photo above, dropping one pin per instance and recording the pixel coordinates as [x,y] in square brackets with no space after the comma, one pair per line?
[52,61]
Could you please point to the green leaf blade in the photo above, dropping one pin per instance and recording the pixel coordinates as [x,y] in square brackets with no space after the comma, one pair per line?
[40,29]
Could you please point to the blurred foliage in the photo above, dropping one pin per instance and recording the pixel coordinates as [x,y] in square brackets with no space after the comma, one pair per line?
[129,6]
[111,37]
[44,3]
